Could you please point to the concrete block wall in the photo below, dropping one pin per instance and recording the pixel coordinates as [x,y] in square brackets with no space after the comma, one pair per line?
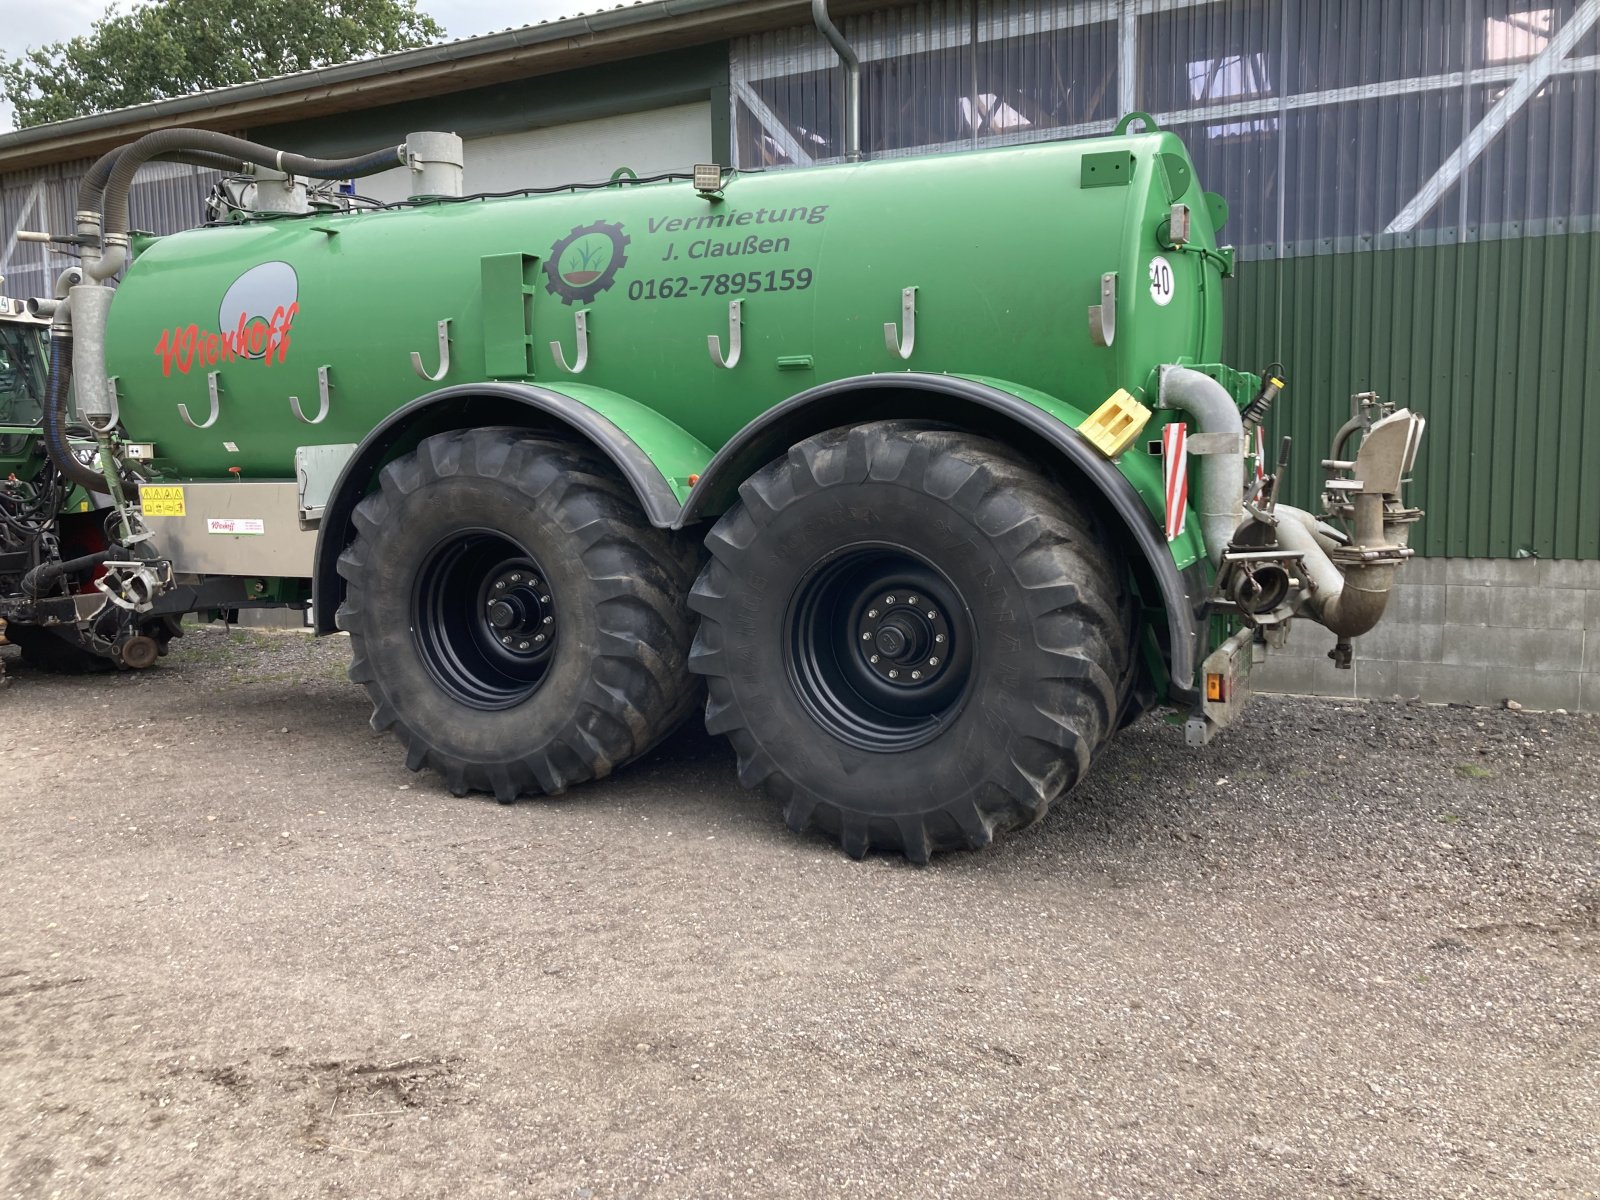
[1464,631]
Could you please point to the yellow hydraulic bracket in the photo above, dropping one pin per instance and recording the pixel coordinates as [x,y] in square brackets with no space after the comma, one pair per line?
[1116,423]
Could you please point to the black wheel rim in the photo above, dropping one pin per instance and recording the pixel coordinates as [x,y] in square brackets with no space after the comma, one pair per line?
[880,647]
[484,619]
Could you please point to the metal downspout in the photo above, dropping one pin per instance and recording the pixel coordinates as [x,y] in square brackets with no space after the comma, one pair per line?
[852,79]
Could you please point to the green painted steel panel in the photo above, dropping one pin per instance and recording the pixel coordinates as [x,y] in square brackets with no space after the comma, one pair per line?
[1494,342]
[1005,265]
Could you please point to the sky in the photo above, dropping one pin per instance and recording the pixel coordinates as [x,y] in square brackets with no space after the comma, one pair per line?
[28,24]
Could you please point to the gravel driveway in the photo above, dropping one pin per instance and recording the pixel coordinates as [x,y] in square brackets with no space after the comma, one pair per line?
[1348,951]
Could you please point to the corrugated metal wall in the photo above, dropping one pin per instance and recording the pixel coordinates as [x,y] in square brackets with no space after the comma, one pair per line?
[1414,187]
[168,197]
[1494,340]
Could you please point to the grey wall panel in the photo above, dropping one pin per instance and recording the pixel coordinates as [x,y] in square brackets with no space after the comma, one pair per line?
[1330,125]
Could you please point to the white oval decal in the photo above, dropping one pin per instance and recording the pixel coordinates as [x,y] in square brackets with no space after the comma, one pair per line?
[1161,281]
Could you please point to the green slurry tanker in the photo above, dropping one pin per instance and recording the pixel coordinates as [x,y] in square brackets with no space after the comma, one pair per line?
[921,476]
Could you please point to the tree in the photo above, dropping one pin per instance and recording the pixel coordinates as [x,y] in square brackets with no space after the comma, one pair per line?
[175,47]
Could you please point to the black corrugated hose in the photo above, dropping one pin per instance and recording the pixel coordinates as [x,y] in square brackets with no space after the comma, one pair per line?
[55,416]
[42,579]
[166,141]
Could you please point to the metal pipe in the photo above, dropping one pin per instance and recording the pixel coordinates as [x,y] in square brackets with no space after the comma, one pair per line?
[1348,602]
[852,79]
[1218,475]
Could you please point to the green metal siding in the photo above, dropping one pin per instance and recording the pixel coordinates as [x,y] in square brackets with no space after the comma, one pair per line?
[1494,342]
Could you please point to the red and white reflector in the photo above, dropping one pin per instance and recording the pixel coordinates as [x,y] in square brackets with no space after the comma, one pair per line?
[1261,454]
[1175,468]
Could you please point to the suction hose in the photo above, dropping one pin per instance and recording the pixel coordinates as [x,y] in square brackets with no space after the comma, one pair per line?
[165,142]
[55,408]
[39,581]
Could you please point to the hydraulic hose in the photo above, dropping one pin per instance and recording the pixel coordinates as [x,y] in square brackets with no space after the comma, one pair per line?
[43,578]
[55,414]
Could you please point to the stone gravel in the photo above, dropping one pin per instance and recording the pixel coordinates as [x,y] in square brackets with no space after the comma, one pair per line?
[1346,950]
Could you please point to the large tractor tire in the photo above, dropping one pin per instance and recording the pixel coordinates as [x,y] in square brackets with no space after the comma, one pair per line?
[514,617]
[911,638]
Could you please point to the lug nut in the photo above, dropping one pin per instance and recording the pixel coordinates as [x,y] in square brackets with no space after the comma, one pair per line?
[549,620]
[499,585]
[872,612]
[866,637]
[516,579]
[522,645]
[932,615]
[873,659]
[888,599]
[911,600]
[538,637]
[544,599]
[916,674]
[894,674]
[939,637]
[505,641]
[934,661]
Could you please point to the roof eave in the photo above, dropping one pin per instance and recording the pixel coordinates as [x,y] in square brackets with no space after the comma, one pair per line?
[411,74]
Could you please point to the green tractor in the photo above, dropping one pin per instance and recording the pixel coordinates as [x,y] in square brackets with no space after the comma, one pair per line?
[922,477]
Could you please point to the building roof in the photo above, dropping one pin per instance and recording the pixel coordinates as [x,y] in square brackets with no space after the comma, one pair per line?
[626,31]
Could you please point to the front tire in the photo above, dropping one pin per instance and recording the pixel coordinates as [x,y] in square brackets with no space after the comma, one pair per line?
[910,637]
[514,618]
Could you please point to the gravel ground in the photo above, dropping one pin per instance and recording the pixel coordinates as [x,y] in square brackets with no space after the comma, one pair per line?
[1348,951]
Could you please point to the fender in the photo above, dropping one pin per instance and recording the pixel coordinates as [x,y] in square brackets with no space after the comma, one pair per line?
[1031,421]
[653,454]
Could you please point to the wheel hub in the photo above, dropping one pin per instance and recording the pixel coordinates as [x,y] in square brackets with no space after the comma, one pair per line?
[880,647]
[485,619]
[905,638]
[520,613]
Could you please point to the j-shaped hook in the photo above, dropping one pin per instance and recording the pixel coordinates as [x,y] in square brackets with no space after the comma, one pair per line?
[908,319]
[322,400]
[583,346]
[216,404]
[714,343]
[444,355]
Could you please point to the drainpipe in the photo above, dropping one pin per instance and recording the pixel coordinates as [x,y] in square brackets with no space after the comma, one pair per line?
[852,79]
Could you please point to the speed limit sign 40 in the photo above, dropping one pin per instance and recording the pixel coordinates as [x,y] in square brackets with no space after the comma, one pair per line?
[1160,281]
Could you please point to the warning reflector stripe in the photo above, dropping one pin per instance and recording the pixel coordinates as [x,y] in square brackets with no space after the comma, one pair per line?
[1175,469]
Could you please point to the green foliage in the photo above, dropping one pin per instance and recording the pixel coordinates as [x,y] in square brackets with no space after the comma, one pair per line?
[175,47]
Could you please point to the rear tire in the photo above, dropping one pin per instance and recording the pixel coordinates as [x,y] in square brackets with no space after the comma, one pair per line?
[850,564]
[515,619]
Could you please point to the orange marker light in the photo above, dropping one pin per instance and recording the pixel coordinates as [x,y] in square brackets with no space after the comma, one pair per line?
[1216,688]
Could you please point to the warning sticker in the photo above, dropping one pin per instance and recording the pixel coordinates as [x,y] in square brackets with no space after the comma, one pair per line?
[162,501]
[235,525]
